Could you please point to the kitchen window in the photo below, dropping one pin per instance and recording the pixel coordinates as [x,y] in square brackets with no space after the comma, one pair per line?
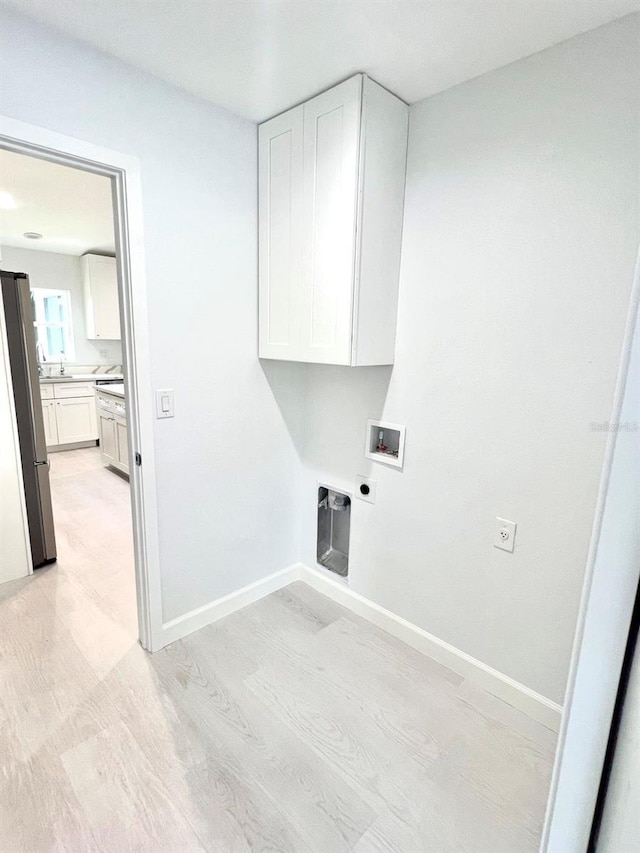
[52,323]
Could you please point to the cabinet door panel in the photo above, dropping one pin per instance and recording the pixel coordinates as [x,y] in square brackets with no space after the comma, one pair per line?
[123,444]
[102,306]
[76,420]
[280,202]
[49,418]
[331,140]
[104,284]
[108,438]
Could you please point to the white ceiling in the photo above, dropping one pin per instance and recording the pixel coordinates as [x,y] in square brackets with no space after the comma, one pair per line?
[259,57]
[70,208]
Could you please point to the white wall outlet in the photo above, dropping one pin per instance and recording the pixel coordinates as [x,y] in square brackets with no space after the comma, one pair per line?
[164,403]
[505,534]
[366,489]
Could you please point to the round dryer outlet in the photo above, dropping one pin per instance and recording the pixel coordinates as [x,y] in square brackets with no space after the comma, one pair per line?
[365,489]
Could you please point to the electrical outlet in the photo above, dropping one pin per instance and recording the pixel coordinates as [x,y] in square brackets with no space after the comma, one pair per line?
[104,353]
[366,489]
[505,534]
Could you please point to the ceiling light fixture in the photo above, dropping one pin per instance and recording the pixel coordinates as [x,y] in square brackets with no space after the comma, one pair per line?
[32,235]
[7,201]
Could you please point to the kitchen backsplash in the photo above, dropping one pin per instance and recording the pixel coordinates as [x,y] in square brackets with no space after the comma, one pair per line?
[53,368]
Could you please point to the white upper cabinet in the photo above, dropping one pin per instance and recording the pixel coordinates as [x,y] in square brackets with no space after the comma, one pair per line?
[101,304]
[331,194]
[280,165]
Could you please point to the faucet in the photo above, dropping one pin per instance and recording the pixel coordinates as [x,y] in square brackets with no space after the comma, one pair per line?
[61,367]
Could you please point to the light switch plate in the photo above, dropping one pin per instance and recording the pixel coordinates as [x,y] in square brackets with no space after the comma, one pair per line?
[505,534]
[164,403]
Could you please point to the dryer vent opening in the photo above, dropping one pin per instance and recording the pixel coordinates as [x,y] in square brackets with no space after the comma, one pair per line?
[334,523]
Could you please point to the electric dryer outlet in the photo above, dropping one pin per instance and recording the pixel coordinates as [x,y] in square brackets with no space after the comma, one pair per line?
[366,489]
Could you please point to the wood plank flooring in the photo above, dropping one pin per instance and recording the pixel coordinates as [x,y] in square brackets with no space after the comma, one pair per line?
[289,726]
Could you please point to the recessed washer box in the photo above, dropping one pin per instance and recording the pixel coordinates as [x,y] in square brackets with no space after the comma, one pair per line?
[385,443]
[334,524]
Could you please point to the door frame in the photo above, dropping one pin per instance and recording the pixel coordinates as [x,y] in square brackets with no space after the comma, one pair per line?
[124,172]
[600,642]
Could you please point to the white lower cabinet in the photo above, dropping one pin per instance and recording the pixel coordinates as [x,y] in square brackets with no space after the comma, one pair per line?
[108,440]
[122,443]
[69,413]
[50,423]
[112,423]
[76,420]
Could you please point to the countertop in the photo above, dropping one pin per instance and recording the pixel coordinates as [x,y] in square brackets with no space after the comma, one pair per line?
[80,377]
[116,390]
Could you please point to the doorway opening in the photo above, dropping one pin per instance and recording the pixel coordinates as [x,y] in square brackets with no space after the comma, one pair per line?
[65,353]
[80,258]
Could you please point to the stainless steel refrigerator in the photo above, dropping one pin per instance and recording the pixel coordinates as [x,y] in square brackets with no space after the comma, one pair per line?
[16,297]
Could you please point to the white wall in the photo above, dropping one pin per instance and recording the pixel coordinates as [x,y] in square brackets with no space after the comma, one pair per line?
[226,464]
[15,556]
[57,271]
[520,236]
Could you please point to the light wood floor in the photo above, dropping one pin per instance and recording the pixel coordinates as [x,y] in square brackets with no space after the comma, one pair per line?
[289,726]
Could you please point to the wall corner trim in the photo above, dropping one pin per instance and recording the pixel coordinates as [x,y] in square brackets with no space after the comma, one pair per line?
[192,621]
[533,704]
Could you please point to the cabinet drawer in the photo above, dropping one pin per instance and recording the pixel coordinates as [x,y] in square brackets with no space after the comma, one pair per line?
[46,392]
[63,390]
[103,403]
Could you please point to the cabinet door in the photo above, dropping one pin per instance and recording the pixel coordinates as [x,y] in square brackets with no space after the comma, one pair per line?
[76,420]
[101,298]
[49,418]
[280,209]
[331,145]
[123,444]
[108,438]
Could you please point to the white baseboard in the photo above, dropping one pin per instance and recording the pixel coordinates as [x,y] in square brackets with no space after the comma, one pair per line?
[178,628]
[510,691]
[518,695]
